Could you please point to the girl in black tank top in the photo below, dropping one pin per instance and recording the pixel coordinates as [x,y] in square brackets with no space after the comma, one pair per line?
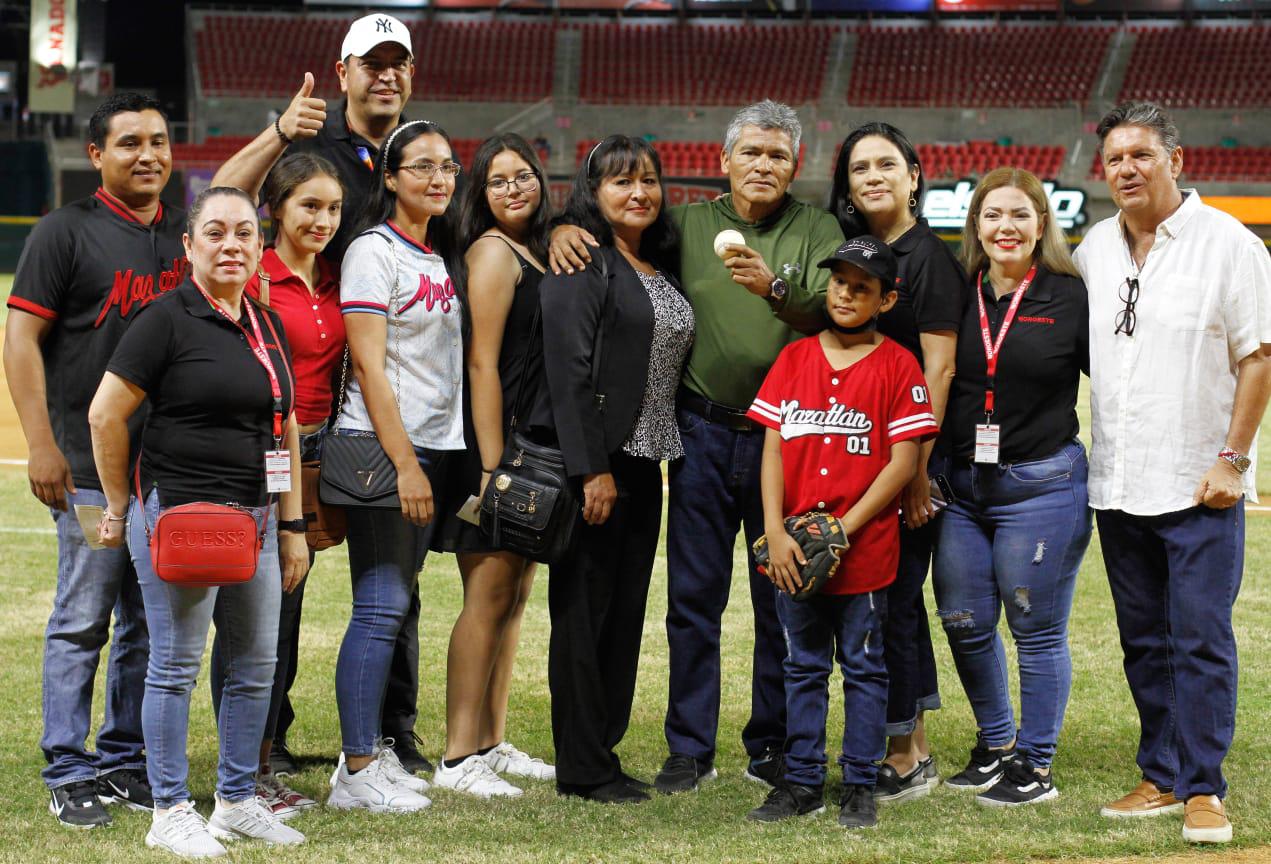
[503,226]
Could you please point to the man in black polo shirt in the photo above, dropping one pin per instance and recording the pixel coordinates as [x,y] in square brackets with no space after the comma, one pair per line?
[86,270]
[375,69]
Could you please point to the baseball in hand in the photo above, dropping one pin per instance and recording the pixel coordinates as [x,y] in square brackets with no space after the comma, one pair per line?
[727,237]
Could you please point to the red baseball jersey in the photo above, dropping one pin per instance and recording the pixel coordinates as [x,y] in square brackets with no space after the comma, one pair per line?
[837,427]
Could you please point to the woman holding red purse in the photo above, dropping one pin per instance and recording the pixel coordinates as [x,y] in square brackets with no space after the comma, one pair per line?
[215,370]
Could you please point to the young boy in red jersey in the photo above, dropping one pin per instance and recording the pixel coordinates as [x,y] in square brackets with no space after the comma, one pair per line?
[846,411]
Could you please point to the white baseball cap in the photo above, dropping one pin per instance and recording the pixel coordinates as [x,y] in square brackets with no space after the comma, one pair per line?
[371,30]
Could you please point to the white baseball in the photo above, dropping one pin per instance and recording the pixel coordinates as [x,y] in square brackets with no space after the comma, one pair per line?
[729,236]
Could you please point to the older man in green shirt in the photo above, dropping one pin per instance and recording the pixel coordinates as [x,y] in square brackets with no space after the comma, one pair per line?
[762,296]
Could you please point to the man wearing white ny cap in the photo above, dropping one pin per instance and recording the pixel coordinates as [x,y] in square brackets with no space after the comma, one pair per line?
[375,68]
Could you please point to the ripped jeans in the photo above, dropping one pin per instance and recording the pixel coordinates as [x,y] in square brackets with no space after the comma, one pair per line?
[1014,539]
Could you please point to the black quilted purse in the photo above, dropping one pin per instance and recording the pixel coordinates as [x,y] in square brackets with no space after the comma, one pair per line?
[528,506]
[356,472]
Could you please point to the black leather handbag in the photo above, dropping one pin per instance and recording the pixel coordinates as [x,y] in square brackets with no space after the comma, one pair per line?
[529,506]
[355,471]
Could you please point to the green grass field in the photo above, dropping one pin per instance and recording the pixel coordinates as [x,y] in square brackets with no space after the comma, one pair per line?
[1095,761]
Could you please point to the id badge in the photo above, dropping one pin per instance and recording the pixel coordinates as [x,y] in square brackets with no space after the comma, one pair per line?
[987,448]
[277,471]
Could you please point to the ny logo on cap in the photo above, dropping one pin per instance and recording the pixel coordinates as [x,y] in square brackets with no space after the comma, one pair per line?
[383,25]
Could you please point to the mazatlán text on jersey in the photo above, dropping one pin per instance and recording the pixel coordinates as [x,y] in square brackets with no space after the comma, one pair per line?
[837,419]
[130,290]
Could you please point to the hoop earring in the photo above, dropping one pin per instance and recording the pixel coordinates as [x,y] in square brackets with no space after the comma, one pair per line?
[913,203]
[850,209]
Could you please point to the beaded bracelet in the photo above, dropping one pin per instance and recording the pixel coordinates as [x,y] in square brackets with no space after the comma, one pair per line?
[278,129]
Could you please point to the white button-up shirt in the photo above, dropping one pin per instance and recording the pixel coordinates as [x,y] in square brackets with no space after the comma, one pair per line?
[1161,400]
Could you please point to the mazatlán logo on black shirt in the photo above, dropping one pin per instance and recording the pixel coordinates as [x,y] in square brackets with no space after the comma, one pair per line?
[130,289]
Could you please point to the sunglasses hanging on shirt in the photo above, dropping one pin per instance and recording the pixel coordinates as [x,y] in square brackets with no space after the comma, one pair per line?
[1129,294]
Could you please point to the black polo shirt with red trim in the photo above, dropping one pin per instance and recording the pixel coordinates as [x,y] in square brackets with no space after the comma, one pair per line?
[211,404]
[1038,370]
[90,267]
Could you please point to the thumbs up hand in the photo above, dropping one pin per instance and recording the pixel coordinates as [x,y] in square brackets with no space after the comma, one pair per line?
[305,115]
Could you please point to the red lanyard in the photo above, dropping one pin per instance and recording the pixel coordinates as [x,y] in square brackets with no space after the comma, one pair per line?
[993,349]
[257,345]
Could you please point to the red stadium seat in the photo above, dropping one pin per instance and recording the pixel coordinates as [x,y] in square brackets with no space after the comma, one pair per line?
[993,67]
[1200,67]
[266,56]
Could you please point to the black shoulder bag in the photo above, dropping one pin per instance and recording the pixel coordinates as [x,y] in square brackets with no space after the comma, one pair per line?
[528,506]
[356,472]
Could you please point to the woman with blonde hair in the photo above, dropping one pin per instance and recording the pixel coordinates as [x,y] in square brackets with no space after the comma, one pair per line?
[1014,534]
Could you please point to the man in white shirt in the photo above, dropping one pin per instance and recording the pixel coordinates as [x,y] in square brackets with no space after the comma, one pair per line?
[1180,371]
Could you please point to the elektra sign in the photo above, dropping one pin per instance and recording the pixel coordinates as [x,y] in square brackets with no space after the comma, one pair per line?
[946,207]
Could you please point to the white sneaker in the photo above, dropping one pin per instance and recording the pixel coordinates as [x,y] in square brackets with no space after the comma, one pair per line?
[506,759]
[372,789]
[394,768]
[473,776]
[251,819]
[182,831]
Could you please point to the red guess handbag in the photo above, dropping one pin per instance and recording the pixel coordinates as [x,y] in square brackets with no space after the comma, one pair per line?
[203,544]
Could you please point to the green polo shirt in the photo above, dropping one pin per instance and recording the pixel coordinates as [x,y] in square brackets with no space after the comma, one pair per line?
[739,335]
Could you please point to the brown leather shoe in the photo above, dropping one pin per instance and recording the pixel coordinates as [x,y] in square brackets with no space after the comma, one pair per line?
[1145,800]
[1205,821]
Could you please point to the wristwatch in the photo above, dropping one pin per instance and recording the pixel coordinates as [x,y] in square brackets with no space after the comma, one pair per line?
[295,526]
[777,289]
[1239,461]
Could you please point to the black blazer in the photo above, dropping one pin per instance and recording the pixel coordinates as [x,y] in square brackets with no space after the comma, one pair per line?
[593,410]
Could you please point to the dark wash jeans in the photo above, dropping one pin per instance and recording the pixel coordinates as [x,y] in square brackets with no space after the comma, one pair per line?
[911,661]
[714,490]
[386,553]
[1014,540]
[847,628]
[91,584]
[1174,579]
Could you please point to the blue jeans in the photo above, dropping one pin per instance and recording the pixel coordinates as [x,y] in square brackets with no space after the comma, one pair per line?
[714,489]
[1174,582]
[386,553]
[290,607]
[246,617]
[90,585]
[1014,539]
[849,628]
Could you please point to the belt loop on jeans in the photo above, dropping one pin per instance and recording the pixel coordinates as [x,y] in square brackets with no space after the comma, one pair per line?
[713,412]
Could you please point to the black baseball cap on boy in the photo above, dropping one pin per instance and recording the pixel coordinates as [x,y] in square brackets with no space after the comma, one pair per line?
[871,255]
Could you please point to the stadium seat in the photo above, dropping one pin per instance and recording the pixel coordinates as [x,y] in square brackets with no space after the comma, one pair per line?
[991,67]
[1200,67]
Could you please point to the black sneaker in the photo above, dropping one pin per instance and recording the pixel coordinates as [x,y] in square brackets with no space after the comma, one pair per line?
[281,762]
[76,805]
[1021,783]
[787,800]
[127,787]
[406,746]
[681,773]
[984,769]
[767,768]
[858,809]
[614,792]
[894,786]
[633,783]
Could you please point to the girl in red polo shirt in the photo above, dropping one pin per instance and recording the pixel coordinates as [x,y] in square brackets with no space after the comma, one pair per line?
[304,194]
